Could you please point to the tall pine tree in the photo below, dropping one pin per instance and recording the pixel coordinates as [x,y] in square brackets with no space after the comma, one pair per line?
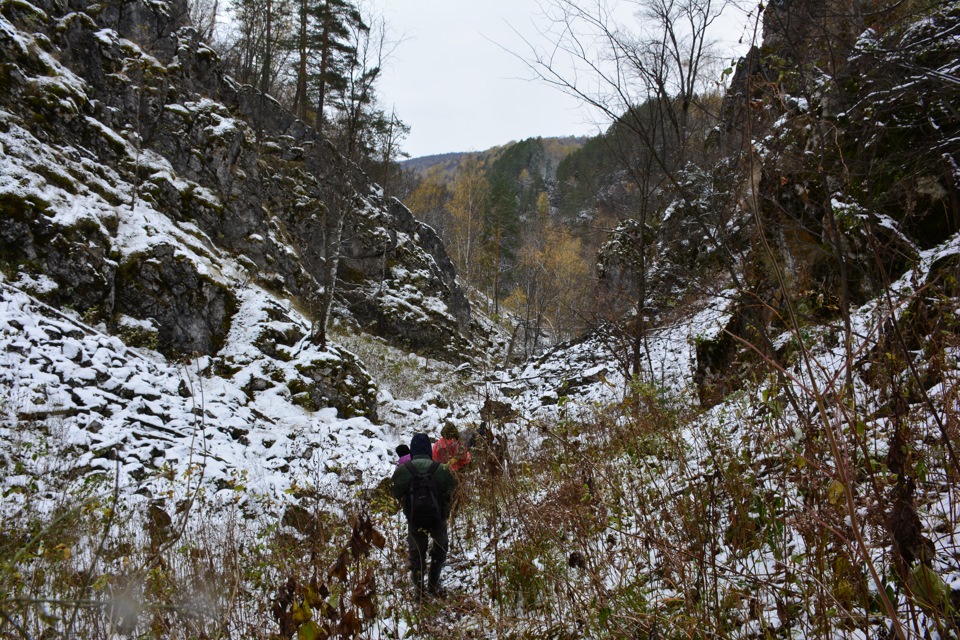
[326,53]
[500,235]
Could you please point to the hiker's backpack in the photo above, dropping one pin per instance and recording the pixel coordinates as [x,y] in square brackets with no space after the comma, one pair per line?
[423,498]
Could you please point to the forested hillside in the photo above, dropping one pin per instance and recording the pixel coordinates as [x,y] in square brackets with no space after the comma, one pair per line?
[498,216]
[707,363]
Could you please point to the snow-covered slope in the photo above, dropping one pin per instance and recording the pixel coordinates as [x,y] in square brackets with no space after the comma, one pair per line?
[161,236]
[96,406]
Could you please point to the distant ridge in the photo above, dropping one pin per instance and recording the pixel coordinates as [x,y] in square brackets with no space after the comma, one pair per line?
[447,163]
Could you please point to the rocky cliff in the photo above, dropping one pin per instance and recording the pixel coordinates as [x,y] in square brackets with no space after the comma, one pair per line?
[150,195]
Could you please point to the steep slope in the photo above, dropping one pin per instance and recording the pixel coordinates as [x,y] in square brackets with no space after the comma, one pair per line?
[123,141]
[788,469]
[161,267]
[98,407]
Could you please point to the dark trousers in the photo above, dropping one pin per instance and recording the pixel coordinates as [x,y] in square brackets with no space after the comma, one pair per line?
[417,540]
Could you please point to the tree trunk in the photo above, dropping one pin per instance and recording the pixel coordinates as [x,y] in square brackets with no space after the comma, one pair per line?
[325,54]
[333,233]
[300,98]
[265,71]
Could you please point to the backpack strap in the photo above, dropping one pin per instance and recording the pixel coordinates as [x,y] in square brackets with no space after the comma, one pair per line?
[409,466]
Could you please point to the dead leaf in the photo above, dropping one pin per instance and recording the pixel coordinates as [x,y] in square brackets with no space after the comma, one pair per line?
[364,593]
[339,569]
[378,539]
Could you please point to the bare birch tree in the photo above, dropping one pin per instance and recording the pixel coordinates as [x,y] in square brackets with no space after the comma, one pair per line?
[646,81]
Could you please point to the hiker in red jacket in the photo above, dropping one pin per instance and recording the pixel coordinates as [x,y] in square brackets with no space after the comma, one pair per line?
[449,450]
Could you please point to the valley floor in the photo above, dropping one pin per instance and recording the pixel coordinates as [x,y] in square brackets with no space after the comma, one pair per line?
[143,499]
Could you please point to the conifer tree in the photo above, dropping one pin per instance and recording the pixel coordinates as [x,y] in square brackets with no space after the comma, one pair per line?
[326,52]
[500,237]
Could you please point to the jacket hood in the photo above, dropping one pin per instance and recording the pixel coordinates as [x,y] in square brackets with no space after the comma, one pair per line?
[420,445]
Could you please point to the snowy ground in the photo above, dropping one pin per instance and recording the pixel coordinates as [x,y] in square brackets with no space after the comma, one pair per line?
[91,399]
[96,408]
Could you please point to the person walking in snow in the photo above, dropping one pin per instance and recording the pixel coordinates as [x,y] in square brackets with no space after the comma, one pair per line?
[403,451]
[448,449]
[424,487]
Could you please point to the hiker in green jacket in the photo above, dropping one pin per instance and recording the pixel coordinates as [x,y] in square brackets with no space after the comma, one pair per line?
[424,488]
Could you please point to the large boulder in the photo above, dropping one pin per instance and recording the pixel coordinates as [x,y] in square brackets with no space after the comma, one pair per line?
[193,310]
[339,381]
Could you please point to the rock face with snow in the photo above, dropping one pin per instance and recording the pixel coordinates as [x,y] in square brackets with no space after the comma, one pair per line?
[149,193]
[99,408]
[851,171]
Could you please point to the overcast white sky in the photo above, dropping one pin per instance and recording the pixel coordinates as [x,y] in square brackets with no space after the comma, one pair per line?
[451,80]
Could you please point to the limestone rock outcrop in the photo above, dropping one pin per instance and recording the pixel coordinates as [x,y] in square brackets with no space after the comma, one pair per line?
[140,184]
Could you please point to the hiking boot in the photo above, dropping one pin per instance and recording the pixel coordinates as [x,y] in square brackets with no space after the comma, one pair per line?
[418,586]
[434,583]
